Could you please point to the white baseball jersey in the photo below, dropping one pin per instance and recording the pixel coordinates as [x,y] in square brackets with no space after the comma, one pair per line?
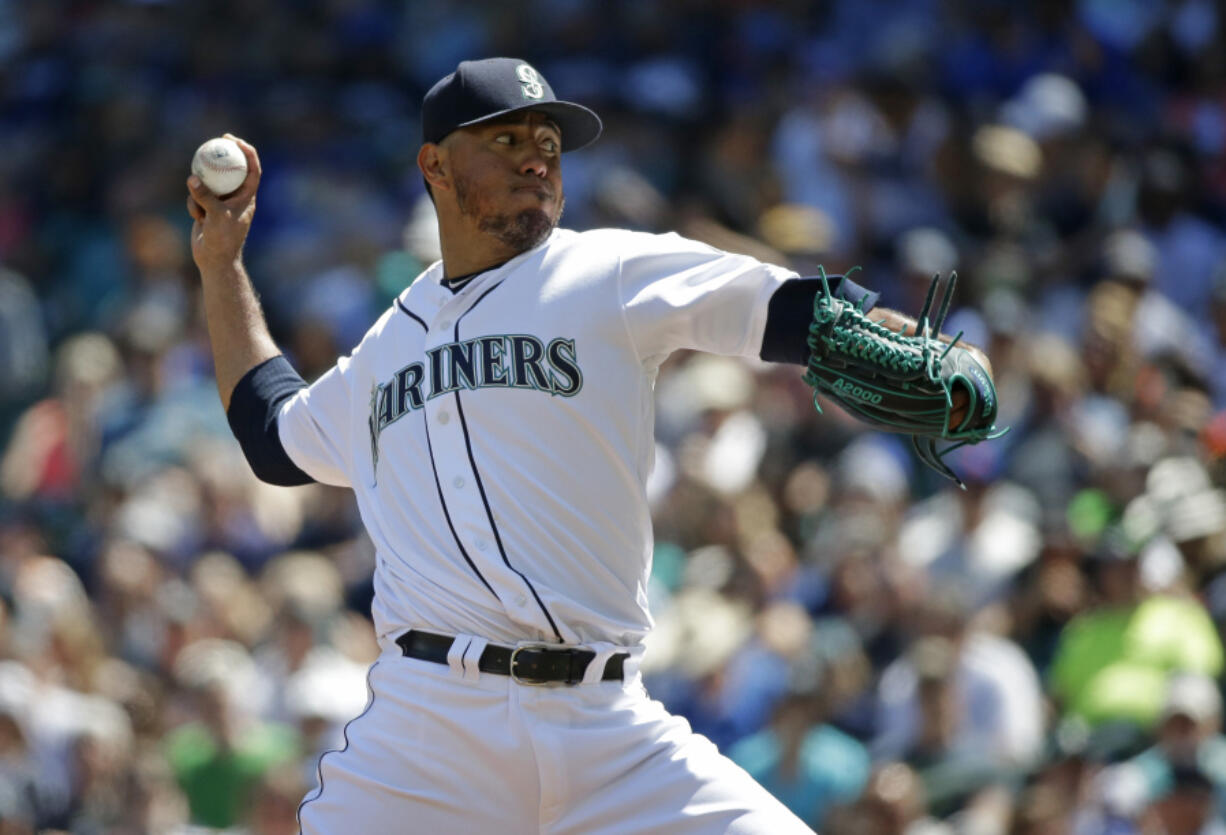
[499,440]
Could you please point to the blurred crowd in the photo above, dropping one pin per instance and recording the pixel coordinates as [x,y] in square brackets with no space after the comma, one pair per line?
[1040,654]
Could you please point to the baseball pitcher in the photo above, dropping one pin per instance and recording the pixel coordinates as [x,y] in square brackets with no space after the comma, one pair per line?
[496,427]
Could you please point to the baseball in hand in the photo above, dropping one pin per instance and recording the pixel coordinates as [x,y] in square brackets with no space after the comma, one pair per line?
[220,165]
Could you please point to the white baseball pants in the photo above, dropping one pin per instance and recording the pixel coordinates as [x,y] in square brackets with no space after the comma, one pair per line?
[439,753]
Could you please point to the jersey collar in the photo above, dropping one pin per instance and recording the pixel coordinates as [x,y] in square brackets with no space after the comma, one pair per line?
[435,272]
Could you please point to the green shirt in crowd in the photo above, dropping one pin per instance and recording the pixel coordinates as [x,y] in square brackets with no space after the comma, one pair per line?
[1112,664]
[217,783]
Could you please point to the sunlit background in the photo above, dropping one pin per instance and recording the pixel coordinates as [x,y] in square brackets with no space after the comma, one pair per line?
[1039,655]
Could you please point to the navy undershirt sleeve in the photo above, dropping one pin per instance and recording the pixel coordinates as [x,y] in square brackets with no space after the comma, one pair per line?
[790,311]
[253,419]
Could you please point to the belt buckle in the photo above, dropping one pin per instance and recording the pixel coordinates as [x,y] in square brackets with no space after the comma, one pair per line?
[515,676]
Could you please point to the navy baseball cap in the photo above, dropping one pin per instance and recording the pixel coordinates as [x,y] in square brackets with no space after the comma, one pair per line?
[481,90]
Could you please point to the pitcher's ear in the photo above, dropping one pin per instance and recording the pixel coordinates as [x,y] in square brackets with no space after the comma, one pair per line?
[430,159]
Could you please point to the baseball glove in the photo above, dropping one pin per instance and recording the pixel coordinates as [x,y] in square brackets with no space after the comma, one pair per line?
[901,382]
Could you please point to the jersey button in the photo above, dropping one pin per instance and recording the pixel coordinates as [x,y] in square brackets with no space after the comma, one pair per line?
[443,417]
[446,323]
[459,482]
[482,545]
[521,601]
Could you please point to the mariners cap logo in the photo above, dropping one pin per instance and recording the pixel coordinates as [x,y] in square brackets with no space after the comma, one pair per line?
[530,81]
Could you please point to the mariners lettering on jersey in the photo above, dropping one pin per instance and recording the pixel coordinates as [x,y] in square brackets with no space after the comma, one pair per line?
[501,361]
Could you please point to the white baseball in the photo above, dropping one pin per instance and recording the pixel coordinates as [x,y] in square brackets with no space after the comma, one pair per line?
[221,165]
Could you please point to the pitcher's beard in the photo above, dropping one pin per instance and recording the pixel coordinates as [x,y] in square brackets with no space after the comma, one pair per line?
[519,232]
[522,231]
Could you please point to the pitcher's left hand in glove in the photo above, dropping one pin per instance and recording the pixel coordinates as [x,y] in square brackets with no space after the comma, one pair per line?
[914,384]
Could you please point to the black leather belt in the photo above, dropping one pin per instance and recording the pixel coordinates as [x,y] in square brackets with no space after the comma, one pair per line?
[529,664]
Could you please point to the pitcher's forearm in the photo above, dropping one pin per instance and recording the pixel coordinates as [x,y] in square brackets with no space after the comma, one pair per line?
[237,329]
[236,324]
